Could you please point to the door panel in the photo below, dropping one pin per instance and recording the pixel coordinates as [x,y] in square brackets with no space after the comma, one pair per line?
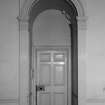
[59,76]
[44,74]
[60,97]
[52,75]
[44,99]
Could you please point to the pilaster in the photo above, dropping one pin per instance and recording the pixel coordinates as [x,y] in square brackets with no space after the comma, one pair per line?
[82,60]
[23,63]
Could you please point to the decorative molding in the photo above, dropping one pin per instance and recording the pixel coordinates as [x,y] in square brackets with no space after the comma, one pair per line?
[79,7]
[82,22]
[9,100]
[19,18]
[25,9]
[23,25]
[95,100]
[23,13]
[67,16]
[82,18]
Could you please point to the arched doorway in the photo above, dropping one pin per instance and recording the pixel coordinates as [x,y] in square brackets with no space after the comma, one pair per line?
[51,59]
[27,16]
[54,40]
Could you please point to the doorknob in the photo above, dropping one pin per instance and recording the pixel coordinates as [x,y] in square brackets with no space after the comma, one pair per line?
[40,88]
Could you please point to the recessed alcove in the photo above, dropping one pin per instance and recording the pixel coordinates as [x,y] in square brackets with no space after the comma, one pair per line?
[30,19]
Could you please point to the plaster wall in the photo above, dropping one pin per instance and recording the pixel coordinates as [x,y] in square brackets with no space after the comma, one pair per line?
[95,50]
[9,52]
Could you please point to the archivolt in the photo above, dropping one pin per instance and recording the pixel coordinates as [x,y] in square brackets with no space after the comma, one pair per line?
[27,5]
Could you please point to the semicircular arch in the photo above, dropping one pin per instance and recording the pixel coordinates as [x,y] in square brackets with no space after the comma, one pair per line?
[28,4]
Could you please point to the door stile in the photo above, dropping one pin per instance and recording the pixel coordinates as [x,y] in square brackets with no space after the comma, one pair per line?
[69,79]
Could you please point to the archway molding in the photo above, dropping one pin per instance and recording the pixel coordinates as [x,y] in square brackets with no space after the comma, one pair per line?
[24,48]
[27,5]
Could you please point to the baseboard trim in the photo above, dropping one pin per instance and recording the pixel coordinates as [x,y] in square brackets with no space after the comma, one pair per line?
[95,100]
[9,100]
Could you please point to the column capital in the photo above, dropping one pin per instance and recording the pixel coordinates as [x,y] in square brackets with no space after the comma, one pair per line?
[23,23]
[82,22]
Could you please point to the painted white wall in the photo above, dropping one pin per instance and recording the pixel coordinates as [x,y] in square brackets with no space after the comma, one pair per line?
[95,50]
[9,51]
[95,43]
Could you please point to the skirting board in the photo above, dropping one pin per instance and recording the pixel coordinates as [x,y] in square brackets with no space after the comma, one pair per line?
[9,100]
[95,100]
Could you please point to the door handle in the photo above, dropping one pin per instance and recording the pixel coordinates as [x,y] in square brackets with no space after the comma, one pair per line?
[40,88]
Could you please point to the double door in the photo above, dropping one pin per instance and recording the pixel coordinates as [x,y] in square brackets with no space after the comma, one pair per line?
[52,77]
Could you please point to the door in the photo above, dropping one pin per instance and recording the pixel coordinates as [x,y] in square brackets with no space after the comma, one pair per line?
[52,70]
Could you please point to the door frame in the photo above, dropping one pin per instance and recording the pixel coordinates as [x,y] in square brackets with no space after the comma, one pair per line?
[34,66]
